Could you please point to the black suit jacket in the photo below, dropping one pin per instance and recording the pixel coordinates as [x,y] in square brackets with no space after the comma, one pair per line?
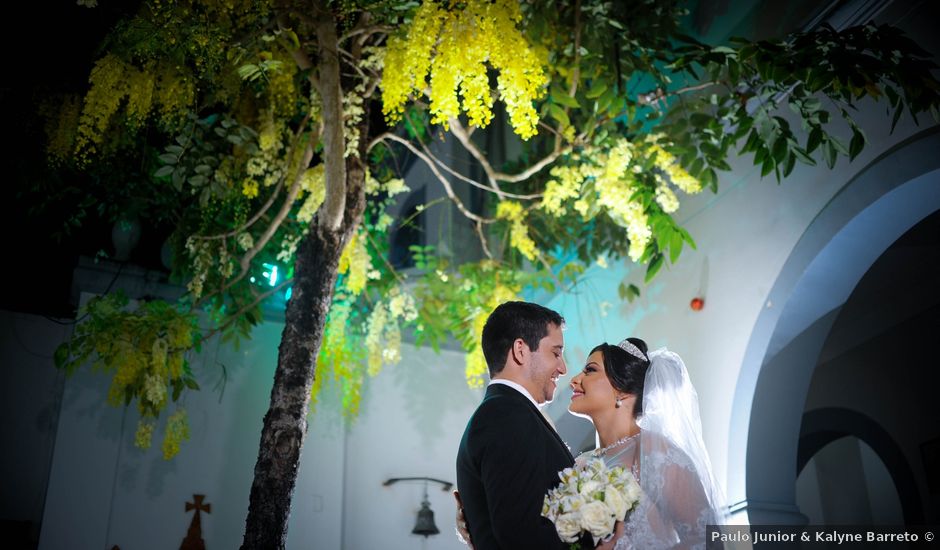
[508,459]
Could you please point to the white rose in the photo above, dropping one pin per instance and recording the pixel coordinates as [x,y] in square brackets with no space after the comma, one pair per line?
[590,487]
[615,501]
[597,518]
[568,527]
[632,492]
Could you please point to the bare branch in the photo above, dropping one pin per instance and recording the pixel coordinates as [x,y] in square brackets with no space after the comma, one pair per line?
[365,32]
[535,168]
[486,249]
[493,176]
[426,157]
[277,190]
[282,213]
[250,222]
[378,252]
[461,134]
[258,299]
[659,94]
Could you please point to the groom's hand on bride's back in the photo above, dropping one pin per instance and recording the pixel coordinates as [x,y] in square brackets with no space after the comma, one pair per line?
[463,530]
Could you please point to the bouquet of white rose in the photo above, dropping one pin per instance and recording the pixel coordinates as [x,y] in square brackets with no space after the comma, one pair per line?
[591,497]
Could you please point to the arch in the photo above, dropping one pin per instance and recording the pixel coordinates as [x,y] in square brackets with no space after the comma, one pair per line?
[888,197]
[823,426]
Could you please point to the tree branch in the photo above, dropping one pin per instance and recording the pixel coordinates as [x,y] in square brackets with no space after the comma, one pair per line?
[330,216]
[280,185]
[463,137]
[426,157]
[282,213]
[659,94]
[493,176]
[299,56]
[535,168]
[233,317]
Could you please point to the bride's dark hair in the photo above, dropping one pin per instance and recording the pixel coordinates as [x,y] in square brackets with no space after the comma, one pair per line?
[625,371]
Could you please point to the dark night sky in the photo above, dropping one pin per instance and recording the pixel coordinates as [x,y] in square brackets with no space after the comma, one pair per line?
[50,47]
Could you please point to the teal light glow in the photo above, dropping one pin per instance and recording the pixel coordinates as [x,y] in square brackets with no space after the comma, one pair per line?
[288,293]
[270,274]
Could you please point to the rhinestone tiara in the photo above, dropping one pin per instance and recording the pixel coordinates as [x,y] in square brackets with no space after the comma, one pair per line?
[629,347]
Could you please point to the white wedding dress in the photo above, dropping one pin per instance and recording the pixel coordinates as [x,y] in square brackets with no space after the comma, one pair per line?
[673,509]
[680,496]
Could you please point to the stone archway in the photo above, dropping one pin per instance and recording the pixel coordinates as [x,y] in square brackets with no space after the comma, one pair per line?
[823,426]
[887,198]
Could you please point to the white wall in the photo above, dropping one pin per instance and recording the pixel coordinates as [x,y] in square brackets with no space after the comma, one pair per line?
[103,491]
[29,405]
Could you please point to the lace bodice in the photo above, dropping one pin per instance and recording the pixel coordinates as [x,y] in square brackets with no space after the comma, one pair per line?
[673,511]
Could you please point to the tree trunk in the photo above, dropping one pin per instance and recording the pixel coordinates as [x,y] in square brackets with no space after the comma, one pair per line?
[286,420]
[285,423]
[315,271]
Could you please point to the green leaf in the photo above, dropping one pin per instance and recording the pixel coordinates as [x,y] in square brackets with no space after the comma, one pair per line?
[168,158]
[655,265]
[780,150]
[61,355]
[857,143]
[767,167]
[815,138]
[801,155]
[559,114]
[675,246]
[839,146]
[163,172]
[598,87]
[790,163]
[632,292]
[562,98]
[831,154]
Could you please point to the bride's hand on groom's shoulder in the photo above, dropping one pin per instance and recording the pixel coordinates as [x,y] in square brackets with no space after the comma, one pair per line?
[612,541]
[463,532]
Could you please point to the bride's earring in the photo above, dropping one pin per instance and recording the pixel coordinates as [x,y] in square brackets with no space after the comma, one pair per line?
[617,404]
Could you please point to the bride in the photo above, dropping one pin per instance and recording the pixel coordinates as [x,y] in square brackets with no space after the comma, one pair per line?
[646,414]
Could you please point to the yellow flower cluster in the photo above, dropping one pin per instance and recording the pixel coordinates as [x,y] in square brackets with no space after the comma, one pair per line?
[665,196]
[108,89]
[112,81]
[355,261]
[392,187]
[408,59]
[456,47]
[177,431]
[250,188]
[518,231]
[140,88]
[614,174]
[475,367]
[352,117]
[144,434]
[61,123]
[565,184]
[281,90]
[313,183]
[201,259]
[679,177]
[175,95]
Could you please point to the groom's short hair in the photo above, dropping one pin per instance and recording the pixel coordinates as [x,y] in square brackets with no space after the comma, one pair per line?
[512,320]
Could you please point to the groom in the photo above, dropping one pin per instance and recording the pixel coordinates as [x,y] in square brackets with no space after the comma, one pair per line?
[510,456]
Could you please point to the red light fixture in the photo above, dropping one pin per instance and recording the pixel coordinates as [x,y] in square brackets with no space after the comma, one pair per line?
[697,303]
